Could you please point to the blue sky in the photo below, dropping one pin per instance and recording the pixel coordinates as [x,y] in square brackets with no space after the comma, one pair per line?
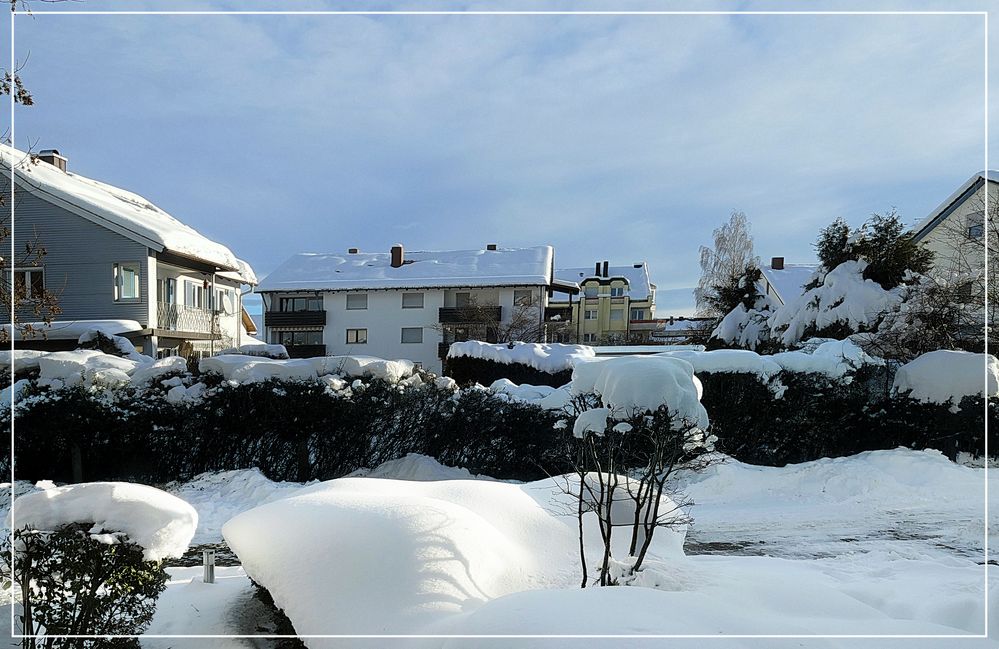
[625,138]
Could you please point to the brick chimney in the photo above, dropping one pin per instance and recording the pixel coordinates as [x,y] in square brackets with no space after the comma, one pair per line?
[52,157]
[777,263]
[398,256]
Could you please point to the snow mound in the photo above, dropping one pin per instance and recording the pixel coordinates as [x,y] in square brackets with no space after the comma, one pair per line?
[833,358]
[414,554]
[123,345]
[23,360]
[945,375]
[162,524]
[258,348]
[523,392]
[87,366]
[158,368]
[551,358]
[417,467]
[634,384]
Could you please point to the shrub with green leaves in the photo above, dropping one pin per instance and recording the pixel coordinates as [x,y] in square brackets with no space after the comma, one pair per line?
[72,582]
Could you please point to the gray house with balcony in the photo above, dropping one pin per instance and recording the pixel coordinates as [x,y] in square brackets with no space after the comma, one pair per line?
[115,261]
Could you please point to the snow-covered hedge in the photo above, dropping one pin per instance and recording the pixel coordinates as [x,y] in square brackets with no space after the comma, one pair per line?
[533,363]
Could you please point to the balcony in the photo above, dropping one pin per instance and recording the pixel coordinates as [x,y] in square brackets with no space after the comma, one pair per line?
[294,318]
[558,314]
[180,317]
[306,351]
[472,314]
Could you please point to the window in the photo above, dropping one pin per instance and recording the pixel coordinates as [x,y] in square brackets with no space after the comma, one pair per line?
[126,282]
[617,314]
[589,338]
[638,314]
[590,314]
[357,336]
[288,304]
[194,294]
[357,301]
[29,282]
[412,334]
[523,297]
[412,300]
[293,338]
[590,291]
[461,300]
[617,291]
[976,225]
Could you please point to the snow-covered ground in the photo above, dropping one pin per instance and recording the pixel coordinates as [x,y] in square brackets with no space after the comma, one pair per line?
[886,542]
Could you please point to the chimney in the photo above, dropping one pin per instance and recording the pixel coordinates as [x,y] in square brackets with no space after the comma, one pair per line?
[491,246]
[777,263]
[397,255]
[596,270]
[606,269]
[352,251]
[638,265]
[52,157]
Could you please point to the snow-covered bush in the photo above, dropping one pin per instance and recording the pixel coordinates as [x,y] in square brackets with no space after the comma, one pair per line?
[633,421]
[86,559]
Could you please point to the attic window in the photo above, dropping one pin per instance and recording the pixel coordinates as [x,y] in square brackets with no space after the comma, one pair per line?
[126,281]
[976,225]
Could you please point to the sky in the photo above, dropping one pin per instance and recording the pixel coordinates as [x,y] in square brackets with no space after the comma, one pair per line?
[625,138]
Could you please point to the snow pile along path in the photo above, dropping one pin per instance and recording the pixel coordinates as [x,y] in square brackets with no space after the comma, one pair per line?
[162,524]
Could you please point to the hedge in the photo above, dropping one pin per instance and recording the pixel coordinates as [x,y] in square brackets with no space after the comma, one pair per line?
[467,371]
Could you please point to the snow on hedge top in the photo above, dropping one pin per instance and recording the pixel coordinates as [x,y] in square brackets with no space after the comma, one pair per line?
[73,329]
[118,210]
[450,268]
[727,360]
[945,375]
[634,384]
[550,357]
[162,524]
[844,296]
[637,276]
[250,369]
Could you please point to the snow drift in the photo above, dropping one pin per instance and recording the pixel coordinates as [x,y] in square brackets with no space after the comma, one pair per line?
[947,375]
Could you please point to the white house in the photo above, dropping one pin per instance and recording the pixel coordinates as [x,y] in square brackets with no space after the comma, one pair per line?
[403,304]
[955,230]
[784,282]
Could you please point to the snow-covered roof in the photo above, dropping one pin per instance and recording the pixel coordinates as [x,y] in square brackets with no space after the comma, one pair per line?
[789,282]
[940,212]
[118,210]
[311,271]
[637,276]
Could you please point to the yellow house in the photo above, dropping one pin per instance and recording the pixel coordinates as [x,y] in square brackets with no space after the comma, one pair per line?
[616,305]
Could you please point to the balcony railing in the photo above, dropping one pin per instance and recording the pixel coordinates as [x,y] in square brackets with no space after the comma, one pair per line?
[306,351]
[180,317]
[473,314]
[294,318]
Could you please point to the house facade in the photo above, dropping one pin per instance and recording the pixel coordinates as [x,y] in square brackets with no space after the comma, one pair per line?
[616,305]
[403,304]
[115,261]
[956,229]
[783,282]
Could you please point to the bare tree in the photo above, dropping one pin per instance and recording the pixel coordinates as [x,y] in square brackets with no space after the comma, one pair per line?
[731,256]
[625,475]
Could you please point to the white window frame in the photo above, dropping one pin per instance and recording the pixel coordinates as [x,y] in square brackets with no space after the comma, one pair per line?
[976,225]
[617,291]
[524,292]
[413,306]
[640,312]
[356,296]
[587,316]
[119,280]
[589,338]
[28,270]
[357,336]
[403,340]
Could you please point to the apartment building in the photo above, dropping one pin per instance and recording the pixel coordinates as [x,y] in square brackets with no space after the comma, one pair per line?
[616,305]
[405,304]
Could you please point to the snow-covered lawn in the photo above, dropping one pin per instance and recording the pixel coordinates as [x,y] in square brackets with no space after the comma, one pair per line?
[886,542]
